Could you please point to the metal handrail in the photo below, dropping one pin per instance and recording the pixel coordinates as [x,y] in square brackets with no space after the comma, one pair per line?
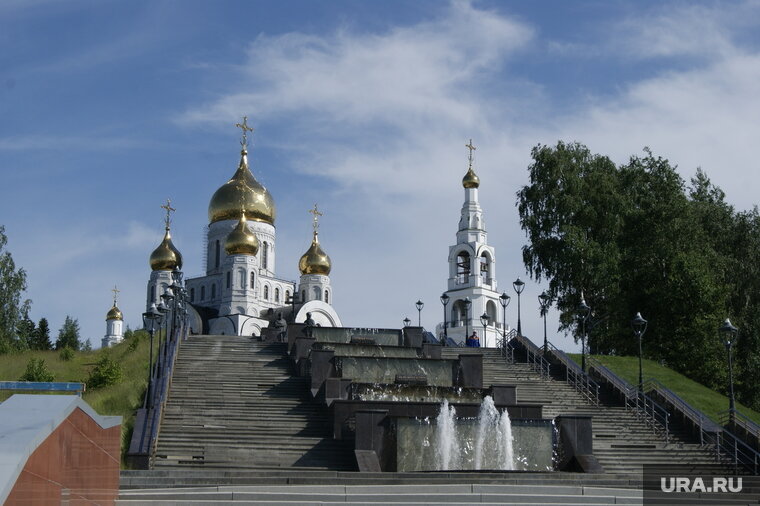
[506,348]
[534,356]
[576,376]
[638,402]
[741,420]
[727,445]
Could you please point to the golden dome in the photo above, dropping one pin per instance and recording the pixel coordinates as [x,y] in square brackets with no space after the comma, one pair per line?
[241,241]
[315,261]
[470,180]
[242,189]
[166,257]
[114,313]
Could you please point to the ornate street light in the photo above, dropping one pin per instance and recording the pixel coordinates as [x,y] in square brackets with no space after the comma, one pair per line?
[544,301]
[407,322]
[519,286]
[584,311]
[484,318]
[419,304]
[729,333]
[504,300]
[163,310]
[639,326]
[445,301]
[467,304]
[151,318]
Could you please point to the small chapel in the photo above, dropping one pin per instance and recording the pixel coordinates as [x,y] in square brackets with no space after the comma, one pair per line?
[241,293]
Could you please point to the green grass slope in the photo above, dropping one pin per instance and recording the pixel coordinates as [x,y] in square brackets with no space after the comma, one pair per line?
[120,399]
[697,395]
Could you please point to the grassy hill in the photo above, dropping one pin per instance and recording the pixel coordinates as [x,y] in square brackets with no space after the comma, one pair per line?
[697,395]
[120,399]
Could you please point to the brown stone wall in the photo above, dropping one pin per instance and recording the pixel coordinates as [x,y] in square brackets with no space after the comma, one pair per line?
[78,463]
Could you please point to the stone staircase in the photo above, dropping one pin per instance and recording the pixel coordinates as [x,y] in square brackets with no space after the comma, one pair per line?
[234,404]
[622,441]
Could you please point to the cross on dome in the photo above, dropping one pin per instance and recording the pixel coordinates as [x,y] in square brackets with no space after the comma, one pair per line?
[471,148]
[245,128]
[169,210]
[316,214]
[116,292]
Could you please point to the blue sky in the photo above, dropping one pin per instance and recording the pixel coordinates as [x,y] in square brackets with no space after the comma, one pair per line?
[110,107]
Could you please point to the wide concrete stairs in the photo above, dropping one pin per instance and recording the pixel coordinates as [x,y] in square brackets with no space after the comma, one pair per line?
[233,403]
[622,441]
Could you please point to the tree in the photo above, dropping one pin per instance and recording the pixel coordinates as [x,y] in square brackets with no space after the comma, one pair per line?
[12,307]
[41,338]
[36,370]
[25,330]
[68,335]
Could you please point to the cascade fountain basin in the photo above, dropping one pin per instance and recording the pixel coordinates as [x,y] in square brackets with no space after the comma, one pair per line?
[384,337]
[343,411]
[414,393]
[366,350]
[418,445]
[391,370]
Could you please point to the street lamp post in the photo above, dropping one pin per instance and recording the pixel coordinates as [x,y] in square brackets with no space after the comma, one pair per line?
[467,304]
[445,301]
[729,333]
[150,318]
[544,300]
[504,300]
[584,311]
[167,298]
[484,320]
[163,310]
[419,304]
[407,322]
[519,286]
[639,325]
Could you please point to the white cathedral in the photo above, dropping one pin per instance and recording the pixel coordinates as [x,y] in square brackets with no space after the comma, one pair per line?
[241,293]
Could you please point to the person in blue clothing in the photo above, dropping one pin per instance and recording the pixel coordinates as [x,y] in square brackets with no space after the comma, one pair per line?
[473,341]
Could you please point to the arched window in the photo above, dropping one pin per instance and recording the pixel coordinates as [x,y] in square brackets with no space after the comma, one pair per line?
[152,290]
[252,280]
[287,296]
[317,293]
[266,292]
[217,255]
[463,267]
[327,296]
[485,268]
[229,278]
[265,255]
[203,293]
[303,295]
[192,295]
[277,295]
[213,291]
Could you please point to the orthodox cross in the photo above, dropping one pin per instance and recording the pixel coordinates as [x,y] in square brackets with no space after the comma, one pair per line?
[169,211]
[316,214]
[245,128]
[115,294]
[471,148]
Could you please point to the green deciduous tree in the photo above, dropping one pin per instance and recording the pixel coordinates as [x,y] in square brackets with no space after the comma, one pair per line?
[12,307]
[68,335]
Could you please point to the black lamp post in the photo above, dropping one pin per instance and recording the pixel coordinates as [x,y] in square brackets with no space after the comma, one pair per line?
[639,325]
[584,312]
[293,300]
[467,304]
[484,320]
[167,298]
[445,301]
[419,304]
[544,301]
[407,322]
[163,310]
[150,318]
[729,333]
[504,300]
[519,286]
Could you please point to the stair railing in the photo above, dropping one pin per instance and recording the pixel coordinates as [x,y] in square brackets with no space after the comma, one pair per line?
[727,446]
[534,355]
[575,376]
[741,424]
[643,406]
[506,347]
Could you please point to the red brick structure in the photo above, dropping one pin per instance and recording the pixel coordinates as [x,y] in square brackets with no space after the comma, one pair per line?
[54,449]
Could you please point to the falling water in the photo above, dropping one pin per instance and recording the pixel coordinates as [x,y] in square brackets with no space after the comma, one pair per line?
[447,443]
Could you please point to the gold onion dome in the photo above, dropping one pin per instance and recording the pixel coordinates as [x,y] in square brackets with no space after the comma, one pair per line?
[470,180]
[315,261]
[241,241]
[258,204]
[114,313]
[166,257]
